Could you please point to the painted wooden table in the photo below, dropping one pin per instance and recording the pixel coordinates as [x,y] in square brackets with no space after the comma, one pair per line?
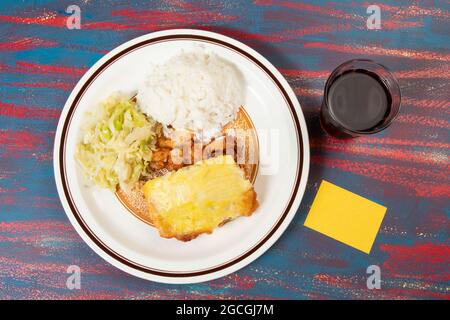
[405,167]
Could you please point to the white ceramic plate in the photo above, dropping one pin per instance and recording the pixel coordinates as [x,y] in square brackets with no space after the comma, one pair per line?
[135,247]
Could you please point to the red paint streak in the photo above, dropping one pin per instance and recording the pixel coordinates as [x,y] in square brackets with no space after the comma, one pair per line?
[411,11]
[46,202]
[421,261]
[425,183]
[137,20]
[87,295]
[53,20]
[441,72]
[192,6]
[22,239]
[379,51]
[295,34]
[358,22]
[401,142]
[427,103]
[404,293]
[106,25]
[35,226]
[335,281]
[7,200]
[399,24]
[298,33]
[6,68]
[14,190]
[26,44]
[25,112]
[158,18]
[37,231]
[33,202]
[187,295]
[118,293]
[27,67]
[308,92]
[356,148]
[305,74]
[24,144]
[50,19]
[309,8]
[15,141]
[235,281]
[22,269]
[44,156]
[423,121]
[47,85]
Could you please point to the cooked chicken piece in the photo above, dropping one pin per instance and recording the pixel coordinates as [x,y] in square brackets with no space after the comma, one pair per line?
[161,154]
[182,150]
[159,158]
[197,199]
[164,142]
[157,165]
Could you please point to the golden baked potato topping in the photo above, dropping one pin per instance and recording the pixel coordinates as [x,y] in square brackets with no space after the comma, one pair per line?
[197,199]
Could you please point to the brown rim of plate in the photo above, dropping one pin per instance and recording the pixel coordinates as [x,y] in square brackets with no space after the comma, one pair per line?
[93,237]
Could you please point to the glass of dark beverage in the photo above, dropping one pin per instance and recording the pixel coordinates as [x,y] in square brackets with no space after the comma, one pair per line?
[361,97]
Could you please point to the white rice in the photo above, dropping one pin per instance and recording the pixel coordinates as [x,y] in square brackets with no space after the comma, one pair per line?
[195,91]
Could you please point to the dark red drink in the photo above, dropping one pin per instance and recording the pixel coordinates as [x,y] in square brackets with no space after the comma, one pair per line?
[361,97]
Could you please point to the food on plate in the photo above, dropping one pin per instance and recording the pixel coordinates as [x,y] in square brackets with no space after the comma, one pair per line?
[183,149]
[197,199]
[172,154]
[117,144]
[134,199]
[194,91]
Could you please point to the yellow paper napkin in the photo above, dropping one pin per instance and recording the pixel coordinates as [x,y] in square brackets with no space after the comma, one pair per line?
[345,216]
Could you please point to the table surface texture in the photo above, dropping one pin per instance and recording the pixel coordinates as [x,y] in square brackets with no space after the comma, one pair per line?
[405,167]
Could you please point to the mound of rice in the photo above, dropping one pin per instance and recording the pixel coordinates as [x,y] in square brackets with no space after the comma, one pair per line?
[195,91]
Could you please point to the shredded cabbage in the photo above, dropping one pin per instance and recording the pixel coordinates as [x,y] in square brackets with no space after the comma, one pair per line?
[117,144]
